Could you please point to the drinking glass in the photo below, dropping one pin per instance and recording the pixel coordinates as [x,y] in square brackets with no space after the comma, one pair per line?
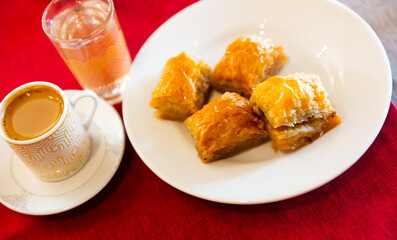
[88,37]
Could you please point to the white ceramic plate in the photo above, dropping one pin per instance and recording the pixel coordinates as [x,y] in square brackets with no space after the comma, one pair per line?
[21,191]
[321,37]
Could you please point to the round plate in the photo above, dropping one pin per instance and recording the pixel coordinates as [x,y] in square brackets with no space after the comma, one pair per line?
[21,191]
[320,37]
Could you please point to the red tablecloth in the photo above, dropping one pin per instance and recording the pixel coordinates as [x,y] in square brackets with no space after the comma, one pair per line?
[359,204]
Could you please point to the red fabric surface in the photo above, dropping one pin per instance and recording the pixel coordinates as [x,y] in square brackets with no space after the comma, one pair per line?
[136,204]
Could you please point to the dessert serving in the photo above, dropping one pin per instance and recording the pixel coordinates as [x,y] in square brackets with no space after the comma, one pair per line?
[248,61]
[295,108]
[182,89]
[292,110]
[226,125]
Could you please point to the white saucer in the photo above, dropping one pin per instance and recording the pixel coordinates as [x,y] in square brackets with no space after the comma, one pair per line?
[21,191]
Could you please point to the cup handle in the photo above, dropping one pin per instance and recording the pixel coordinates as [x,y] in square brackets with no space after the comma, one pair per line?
[94,97]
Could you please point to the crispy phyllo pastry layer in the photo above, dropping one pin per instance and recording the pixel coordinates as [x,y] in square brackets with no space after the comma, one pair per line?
[295,108]
[285,138]
[248,61]
[225,126]
[182,89]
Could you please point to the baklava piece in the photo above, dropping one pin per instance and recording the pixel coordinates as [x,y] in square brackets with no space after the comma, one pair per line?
[225,126]
[248,61]
[182,89]
[295,108]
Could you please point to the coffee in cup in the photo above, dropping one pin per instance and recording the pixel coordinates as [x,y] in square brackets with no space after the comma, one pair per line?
[32,113]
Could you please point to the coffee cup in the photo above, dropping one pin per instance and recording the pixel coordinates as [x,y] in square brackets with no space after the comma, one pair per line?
[40,125]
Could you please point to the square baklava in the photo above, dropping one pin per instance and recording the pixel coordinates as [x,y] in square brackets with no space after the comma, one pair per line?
[225,126]
[183,87]
[295,108]
[248,61]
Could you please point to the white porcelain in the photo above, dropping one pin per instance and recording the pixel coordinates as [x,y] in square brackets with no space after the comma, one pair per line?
[321,37]
[64,149]
[23,192]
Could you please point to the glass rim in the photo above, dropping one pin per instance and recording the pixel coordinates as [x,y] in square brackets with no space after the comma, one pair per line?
[61,40]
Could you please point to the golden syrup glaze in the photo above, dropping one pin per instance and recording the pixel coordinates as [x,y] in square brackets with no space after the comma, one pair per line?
[225,122]
[183,87]
[291,99]
[248,61]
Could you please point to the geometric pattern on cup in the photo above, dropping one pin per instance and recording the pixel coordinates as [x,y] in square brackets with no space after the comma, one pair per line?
[59,155]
